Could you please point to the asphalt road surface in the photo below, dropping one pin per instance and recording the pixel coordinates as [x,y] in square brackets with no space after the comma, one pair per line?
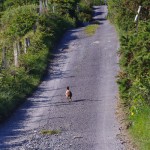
[88,64]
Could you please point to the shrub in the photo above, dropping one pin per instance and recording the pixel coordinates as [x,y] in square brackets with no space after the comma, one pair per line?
[18,82]
[18,21]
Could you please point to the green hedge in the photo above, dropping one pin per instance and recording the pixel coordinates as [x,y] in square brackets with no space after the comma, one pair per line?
[134,81]
[17,83]
[134,75]
[18,25]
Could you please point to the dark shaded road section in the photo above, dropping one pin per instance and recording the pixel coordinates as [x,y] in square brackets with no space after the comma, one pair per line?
[88,64]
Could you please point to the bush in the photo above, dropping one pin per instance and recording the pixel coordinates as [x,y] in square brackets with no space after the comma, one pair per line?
[99,2]
[134,77]
[11,3]
[18,21]
[17,83]
[85,11]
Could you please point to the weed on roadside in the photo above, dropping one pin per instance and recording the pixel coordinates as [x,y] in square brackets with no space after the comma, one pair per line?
[50,132]
[91,29]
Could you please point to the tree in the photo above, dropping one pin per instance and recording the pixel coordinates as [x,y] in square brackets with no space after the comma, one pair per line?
[16,3]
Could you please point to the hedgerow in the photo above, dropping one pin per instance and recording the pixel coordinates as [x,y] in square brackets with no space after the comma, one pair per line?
[17,24]
[134,75]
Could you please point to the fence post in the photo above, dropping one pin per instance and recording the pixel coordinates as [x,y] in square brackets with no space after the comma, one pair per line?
[18,48]
[16,55]
[53,9]
[40,7]
[136,19]
[25,45]
[4,61]
[28,41]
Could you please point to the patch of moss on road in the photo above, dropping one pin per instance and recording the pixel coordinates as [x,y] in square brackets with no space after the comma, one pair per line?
[91,29]
[50,132]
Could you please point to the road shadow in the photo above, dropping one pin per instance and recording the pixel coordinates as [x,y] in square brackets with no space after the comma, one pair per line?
[99,15]
[14,127]
[66,102]
[58,57]
[85,100]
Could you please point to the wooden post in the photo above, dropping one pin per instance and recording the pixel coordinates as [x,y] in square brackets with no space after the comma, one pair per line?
[25,45]
[40,7]
[4,61]
[53,9]
[16,55]
[28,41]
[18,48]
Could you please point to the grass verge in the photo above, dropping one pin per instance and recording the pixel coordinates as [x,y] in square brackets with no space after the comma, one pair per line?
[122,113]
[140,128]
[91,29]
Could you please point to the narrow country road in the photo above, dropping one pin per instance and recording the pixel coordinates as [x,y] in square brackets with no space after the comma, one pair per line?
[88,64]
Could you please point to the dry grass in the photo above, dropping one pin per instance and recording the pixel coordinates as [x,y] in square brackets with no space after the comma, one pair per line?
[50,132]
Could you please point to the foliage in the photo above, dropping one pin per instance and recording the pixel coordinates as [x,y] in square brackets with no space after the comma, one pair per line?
[65,6]
[11,3]
[18,21]
[134,80]
[84,12]
[135,60]
[99,2]
[134,77]
[80,10]
[17,83]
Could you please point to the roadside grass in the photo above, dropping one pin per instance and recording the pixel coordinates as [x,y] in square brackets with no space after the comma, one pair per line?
[141,128]
[91,29]
[50,132]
